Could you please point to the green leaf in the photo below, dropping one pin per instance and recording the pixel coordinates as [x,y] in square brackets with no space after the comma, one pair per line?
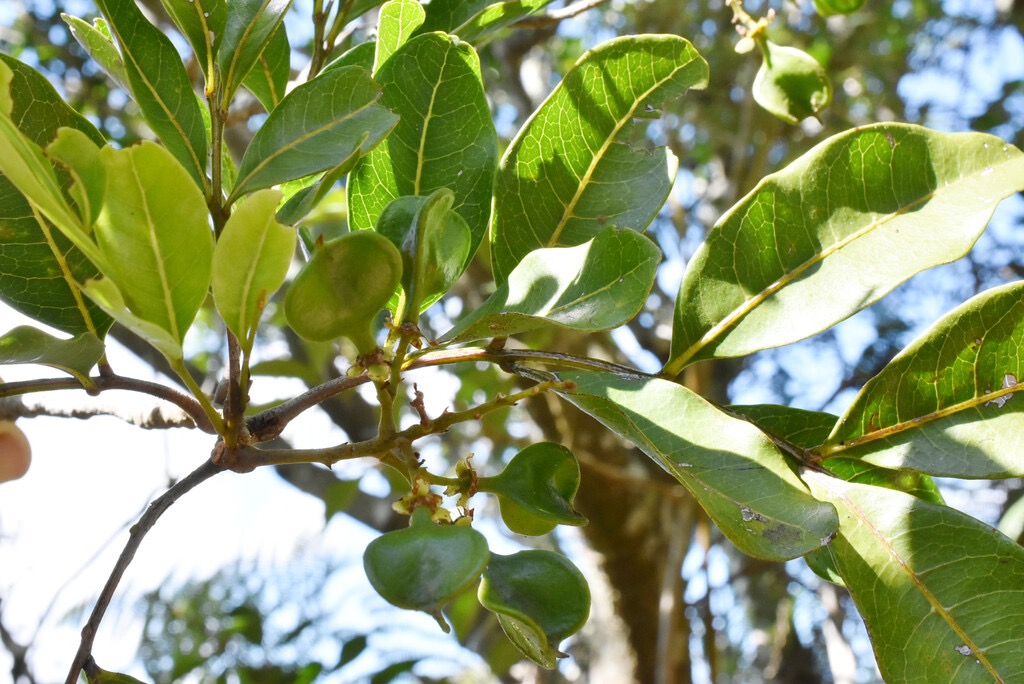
[791,84]
[572,170]
[250,263]
[361,55]
[250,26]
[932,584]
[738,475]
[317,126]
[805,429]
[539,598]
[311,191]
[834,232]
[75,356]
[425,565]
[105,293]
[343,287]
[434,242]
[474,19]
[445,138]
[80,157]
[598,285]
[536,489]
[268,79]
[398,20]
[96,41]
[946,404]
[827,8]
[155,236]
[39,268]
[160,85]
[202,22]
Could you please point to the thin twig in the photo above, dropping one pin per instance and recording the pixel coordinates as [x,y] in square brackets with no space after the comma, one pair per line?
[267,425]
[155,419]
[137,533]
[558,15]
[115,382]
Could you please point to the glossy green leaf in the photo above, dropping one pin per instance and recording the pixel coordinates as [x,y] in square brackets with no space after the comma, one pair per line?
[268,78]
[250,262]
[309,192]
[250,26]
[75,356]
[160,85]
[827,8]
[791,84]
[95,39]
[946,405]
[425,565]
[474,19]
[573,169]
[202,22]
[932,584]
[736,473]
[317,126]
[539,598]
[343,287]
[361,55]
[834,232]
[536,489]
[435,243]
[445,138]
[39,268]
[155,235]
[598,285]
[398,20]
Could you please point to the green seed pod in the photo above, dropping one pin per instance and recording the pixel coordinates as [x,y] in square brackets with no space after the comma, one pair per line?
[425,565]
[343,287]
[791,84]
[827,8]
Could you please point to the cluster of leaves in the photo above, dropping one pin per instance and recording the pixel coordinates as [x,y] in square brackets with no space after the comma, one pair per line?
[146,234]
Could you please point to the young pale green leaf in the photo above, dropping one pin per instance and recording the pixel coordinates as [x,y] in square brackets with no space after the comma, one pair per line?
[398,20]
[471,20]
[250,26]
[268,79]
[95,39]
[571,171]
[946,404]
[317,126]
[108,297]
[425,565]
[160,85]
[539,598]
[78,155]
[39,268]
[75,356]
[949,577]
[361,55]
[791,84]
[202,22]
[834,232]
[736,473]
[155,236]
[445,138]
[536,489]
[250,262]
[305,194]
[598,285]
[435,243]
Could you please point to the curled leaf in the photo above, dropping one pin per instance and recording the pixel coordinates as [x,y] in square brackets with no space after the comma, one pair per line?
[791,84]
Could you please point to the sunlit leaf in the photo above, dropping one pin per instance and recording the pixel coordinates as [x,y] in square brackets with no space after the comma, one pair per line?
[75,356]
[835,231]
[444,139]
[160,85]
[791,84]
[933,585]
[474,19]
[95,39]
[77,154]
[398,20]
[268,79]
[598,285]
[202,22]
[573,170]
[736,473]
[317,126]
[250,26]
[946,405]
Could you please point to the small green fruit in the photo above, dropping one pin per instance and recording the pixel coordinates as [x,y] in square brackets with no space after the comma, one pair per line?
[15,452]
[791,84]
[425,565]
[827,8]
[342,288]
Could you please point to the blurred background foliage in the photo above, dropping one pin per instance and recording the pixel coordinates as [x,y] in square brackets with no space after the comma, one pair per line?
[674,602]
